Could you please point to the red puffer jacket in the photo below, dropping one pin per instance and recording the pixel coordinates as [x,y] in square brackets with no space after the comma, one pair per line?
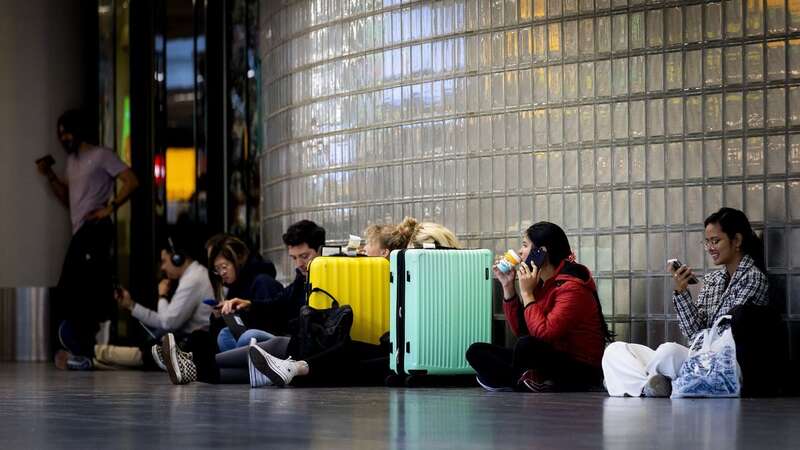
[565,315]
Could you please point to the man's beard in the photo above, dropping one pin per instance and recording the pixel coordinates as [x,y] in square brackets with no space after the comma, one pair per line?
[71,146]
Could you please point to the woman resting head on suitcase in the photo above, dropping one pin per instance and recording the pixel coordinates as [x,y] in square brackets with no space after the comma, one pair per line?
[557,317]
[420,234]
[382,239]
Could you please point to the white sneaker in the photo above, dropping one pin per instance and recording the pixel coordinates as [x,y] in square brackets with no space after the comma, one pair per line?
[257,379]
[279,371]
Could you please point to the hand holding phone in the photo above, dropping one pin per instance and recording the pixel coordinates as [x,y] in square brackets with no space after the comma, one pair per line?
[45,164]
[676,265]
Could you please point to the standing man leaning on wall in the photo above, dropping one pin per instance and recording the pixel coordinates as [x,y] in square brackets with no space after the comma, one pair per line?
[84,296]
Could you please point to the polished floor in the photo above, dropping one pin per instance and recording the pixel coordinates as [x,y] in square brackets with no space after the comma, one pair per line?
[41,407]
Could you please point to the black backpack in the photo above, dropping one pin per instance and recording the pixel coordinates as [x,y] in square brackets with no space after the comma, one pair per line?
[317,330]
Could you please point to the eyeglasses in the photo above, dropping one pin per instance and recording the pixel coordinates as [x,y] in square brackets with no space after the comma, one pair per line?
[221,268]
[711,243]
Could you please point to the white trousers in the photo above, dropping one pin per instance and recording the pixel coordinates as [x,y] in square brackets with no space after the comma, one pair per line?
[627,367]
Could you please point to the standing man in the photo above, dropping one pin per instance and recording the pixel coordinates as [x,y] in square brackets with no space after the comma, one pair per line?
[85,291]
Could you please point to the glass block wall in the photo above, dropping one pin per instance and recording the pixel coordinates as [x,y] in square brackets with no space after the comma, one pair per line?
[627,122]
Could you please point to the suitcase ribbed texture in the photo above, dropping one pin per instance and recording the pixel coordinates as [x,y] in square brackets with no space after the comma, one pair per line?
[447,308]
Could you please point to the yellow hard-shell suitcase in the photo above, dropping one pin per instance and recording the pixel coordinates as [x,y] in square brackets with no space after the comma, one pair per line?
[359,281]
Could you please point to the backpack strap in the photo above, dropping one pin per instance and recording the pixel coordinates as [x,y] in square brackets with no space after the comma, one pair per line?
[334,304]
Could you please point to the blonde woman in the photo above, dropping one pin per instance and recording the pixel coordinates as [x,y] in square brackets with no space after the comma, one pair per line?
[427,233]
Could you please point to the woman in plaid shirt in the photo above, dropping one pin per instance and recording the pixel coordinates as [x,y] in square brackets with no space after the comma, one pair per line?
[739,288]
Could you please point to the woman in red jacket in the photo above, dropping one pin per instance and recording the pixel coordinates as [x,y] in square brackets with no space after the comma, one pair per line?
[556,316]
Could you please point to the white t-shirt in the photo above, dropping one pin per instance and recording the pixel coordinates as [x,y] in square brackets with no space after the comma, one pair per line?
[186,312]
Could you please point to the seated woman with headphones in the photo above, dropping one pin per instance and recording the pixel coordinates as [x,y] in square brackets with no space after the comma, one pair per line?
[557,317]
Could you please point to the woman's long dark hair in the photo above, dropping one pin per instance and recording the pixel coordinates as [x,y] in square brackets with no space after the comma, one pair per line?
[733,221]
[551,236]
[234,250]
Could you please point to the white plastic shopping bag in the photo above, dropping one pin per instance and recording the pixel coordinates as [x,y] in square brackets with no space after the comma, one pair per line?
[711,369]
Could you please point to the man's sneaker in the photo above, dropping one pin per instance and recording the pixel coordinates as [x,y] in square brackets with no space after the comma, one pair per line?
[158,357]
[179,364]
[65,360]
[491,388]
[77,362]
[657,386]
[533,382]
[257,379]
[279,371]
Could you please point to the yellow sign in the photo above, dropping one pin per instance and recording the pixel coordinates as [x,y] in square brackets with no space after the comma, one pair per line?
[181,173]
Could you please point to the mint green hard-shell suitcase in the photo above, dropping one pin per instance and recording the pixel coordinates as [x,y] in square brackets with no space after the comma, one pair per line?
[440,303]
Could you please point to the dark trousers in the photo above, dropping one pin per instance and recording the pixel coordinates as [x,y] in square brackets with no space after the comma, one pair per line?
[761,349]
[148,363]
[203,347]
[84,296]
[350,363]
[502,367]
[346,364]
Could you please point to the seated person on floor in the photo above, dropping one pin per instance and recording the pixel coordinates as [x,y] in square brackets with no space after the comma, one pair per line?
[303,241]
[557,317]
[242,275]
[182,314]
[739,289]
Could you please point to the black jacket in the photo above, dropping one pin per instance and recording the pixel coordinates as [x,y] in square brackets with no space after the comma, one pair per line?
[274,314]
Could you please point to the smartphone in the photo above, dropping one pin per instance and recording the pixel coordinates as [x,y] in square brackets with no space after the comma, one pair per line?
[529,260]
[212,303]
[677,264]
[47,160]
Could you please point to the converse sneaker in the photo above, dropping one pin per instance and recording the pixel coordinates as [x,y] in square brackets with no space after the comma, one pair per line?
[279,371]
[657,386]
[491,388]
[179,364]
[533,382]
[257,379]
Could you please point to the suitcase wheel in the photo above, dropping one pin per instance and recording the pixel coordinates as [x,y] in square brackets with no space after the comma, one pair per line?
[414,381]
[395,380]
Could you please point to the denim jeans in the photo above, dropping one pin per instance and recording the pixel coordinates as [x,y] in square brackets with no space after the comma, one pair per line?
[226,341]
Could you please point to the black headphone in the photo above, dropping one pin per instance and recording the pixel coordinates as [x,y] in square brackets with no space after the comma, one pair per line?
[176,258]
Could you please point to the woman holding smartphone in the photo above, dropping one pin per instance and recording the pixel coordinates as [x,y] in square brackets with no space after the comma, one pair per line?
[557,317]
[739,288]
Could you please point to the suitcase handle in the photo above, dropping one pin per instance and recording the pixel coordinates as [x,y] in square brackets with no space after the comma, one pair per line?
[334,304]
[435,247]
